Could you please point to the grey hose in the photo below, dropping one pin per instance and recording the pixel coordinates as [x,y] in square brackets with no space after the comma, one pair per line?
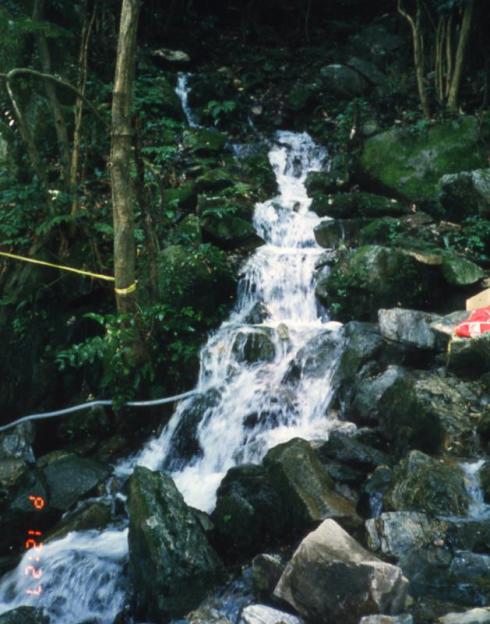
[84,406]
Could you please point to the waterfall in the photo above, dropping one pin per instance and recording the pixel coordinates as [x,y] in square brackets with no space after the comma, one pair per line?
[478,507]
[250,399]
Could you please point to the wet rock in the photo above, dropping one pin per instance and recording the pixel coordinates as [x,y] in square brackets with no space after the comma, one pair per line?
[185,442]
[485,481]
[258,170]
[367,393]
[266,572]
[470,357]
[71,478]
[331,234]
[343,81]
[214,180]
[173,564]
[411,166]
[17,443]
[94,516]
[11,473]
[257,315]
[261,614]
[325,182]
[331,578]
[249,513]
[25,615]
[387,619]
[347,450]
[317,358]
[473,616]
[352,205]
[408,326]
[254,346]
[444,327]
[424,411]
[368,70]
[459,271]
[421,483]
[230,232]
[372,277]
[465,194]
[303,484]
[370,504]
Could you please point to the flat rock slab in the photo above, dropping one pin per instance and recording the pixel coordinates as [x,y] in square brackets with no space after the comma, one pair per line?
[411,327]
[332,578]
[474,616]
[387,619]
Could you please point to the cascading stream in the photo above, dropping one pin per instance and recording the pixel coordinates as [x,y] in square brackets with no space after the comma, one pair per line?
[250,400]
[258,387]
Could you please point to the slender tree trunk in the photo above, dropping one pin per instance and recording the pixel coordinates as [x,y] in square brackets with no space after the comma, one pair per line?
[122,197]
[460,54]
[418,52]
[58,119]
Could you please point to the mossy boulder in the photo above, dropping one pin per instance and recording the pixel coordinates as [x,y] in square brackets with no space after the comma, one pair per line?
[350,205]
[204,142]
[230,232]
[215,180]
[371,277]
[342,81]
[199,277]
[427,412]
[459,271]
[25,615]
[325,182]
[305,487]
[181,199]
[422,483]
[250,515]
[172,561]
[466,194]
[258,171]
[470,357]
[334,232]
[254,346]
[190,229]
[410,166]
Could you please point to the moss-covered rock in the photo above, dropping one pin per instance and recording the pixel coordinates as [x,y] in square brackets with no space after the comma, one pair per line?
[459,271]
[465,194]
[373,277]
[256,345]
[181,198]
[325,182]
[350,205]
[169,102]
[426,412]
[258,171]
[200,278]
[25,615]
[470,357]
[343,81]
[230,232]
[421,483]
[215,180]
[335,232]
[410,166]
[204,142]
[190,229]
[173,564]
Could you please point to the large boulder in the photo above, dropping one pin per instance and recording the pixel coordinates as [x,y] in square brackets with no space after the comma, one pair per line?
[305,487]
[425,411]
[230,232]
[472,616]
[411,327]
[410,166]
[459,271]
[432,486]
[367,392]
[262,614]
[469,357]
[351,205]
[466,194]
[254,345]
[331,578]
[17,443]
[249,514]
[25,615]
[343,81]
[317,358]
[345,449]
[372,276]
[204,142]
[171,559]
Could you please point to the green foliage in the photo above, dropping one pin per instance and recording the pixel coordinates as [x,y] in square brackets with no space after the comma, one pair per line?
[219,211]
[220,111]
[473,237]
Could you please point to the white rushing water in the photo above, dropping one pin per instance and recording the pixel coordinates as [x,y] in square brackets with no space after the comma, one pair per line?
[478,507]
[250,398]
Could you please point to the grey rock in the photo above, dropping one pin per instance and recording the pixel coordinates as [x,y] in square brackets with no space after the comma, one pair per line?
[206,615]
[305,486]
[421,483]
[411,327]
[469,357]
[331,578]
[347,450]
[172,562]
[368,70]
[261,614]
[16,443]
[11,472]
[368,391]
[343,81]
[459,271]
[25,615]
[266,572]
[254,345]
[465,194]
[473,616]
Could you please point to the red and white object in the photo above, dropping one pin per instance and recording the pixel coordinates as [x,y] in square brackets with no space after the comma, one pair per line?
[478,323]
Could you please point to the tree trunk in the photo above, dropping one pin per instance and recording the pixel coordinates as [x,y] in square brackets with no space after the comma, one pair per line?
[122,197]
[58,119]
[460,54]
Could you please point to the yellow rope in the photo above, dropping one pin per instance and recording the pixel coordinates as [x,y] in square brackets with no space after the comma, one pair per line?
[58,266]
[109,278]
